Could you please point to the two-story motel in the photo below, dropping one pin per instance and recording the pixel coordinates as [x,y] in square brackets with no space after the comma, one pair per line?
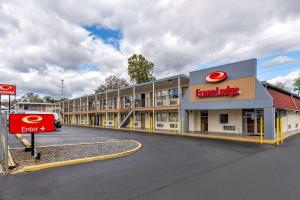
[227,100]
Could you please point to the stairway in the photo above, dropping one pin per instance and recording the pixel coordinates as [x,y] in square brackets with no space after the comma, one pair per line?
[126,121]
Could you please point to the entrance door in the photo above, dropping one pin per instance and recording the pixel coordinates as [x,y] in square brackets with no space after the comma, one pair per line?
[143,120]
[249,121]
[143,99]
[204,120]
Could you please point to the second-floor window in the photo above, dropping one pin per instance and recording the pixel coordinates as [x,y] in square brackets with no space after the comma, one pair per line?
[173,93]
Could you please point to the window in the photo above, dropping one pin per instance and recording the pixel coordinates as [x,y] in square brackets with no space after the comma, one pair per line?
[173,93]
[137,116]
[161,117]
[110,117]
[173,116]
[160,93]
[223,118]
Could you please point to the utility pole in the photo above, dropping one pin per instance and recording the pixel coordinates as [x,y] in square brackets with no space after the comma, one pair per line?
[62,88]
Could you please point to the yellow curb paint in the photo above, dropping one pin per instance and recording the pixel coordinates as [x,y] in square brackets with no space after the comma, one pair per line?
[11,163]
[19,136]
[78,161]
[23,140]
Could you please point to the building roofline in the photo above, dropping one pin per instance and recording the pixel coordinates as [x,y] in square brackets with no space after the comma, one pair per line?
[269,85]
[220,65]
[136,85]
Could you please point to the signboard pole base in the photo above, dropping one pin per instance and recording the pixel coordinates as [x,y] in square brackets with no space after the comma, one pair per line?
[32,144]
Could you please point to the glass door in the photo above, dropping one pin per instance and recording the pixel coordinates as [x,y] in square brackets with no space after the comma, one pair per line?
[248,121]
[204,120]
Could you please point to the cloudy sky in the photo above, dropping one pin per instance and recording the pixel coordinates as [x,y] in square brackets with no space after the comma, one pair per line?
[82,42]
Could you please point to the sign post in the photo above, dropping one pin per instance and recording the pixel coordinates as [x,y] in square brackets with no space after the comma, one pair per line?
[31,124]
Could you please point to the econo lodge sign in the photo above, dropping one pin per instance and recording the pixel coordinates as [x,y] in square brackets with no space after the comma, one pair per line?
[215,77]
[7,89]
[31,123]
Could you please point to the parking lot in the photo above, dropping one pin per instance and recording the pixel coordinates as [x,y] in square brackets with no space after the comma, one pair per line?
[166,167]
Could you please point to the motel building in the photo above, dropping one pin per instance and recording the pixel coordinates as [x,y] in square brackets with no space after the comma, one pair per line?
[226,100]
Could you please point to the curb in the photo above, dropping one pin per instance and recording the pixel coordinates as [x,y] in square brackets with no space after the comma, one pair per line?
[78,161]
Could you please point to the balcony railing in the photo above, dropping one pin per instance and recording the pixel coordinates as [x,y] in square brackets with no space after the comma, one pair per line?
[139,103]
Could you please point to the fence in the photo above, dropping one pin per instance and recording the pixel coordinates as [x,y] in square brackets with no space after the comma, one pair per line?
[3,140]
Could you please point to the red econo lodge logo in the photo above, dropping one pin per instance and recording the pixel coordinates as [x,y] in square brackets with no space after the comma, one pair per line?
[7,89]
[32,119]
[216,76]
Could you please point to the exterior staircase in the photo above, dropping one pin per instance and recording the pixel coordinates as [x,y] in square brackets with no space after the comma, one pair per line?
[126,120]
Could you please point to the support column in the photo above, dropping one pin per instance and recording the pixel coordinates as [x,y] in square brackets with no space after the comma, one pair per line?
[255,121]
[79,111]
[106,106]
[179,105]
[68,112]
[63,113]
[133,107]
[269,123]
[153,106]
[185,117]
[73,108]
[96,119]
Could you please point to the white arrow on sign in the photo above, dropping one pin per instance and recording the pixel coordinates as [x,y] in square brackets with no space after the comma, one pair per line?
[43,128]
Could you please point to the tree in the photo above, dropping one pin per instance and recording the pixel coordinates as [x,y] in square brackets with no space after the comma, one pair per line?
[140,69]
[32,97]
[296,85]
[49,99]
[112,82]
[280,85]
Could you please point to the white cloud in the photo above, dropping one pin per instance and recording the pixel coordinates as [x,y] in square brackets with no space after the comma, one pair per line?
[288,79]
[176,35]
[279,60]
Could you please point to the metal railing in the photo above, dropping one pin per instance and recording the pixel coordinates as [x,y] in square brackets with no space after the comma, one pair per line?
[3,140]
[166,100]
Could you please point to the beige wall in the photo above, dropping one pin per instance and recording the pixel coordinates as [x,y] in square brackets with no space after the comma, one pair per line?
[235,118]
[292,118]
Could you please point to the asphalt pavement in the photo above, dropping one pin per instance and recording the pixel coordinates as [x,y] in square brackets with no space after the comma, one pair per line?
[165,168]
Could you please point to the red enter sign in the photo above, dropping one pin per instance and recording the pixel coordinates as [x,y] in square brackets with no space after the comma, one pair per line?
[31,123]
[7,89]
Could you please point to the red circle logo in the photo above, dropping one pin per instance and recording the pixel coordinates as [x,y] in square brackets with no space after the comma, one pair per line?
[32,119]
[5,87]
[215,77]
